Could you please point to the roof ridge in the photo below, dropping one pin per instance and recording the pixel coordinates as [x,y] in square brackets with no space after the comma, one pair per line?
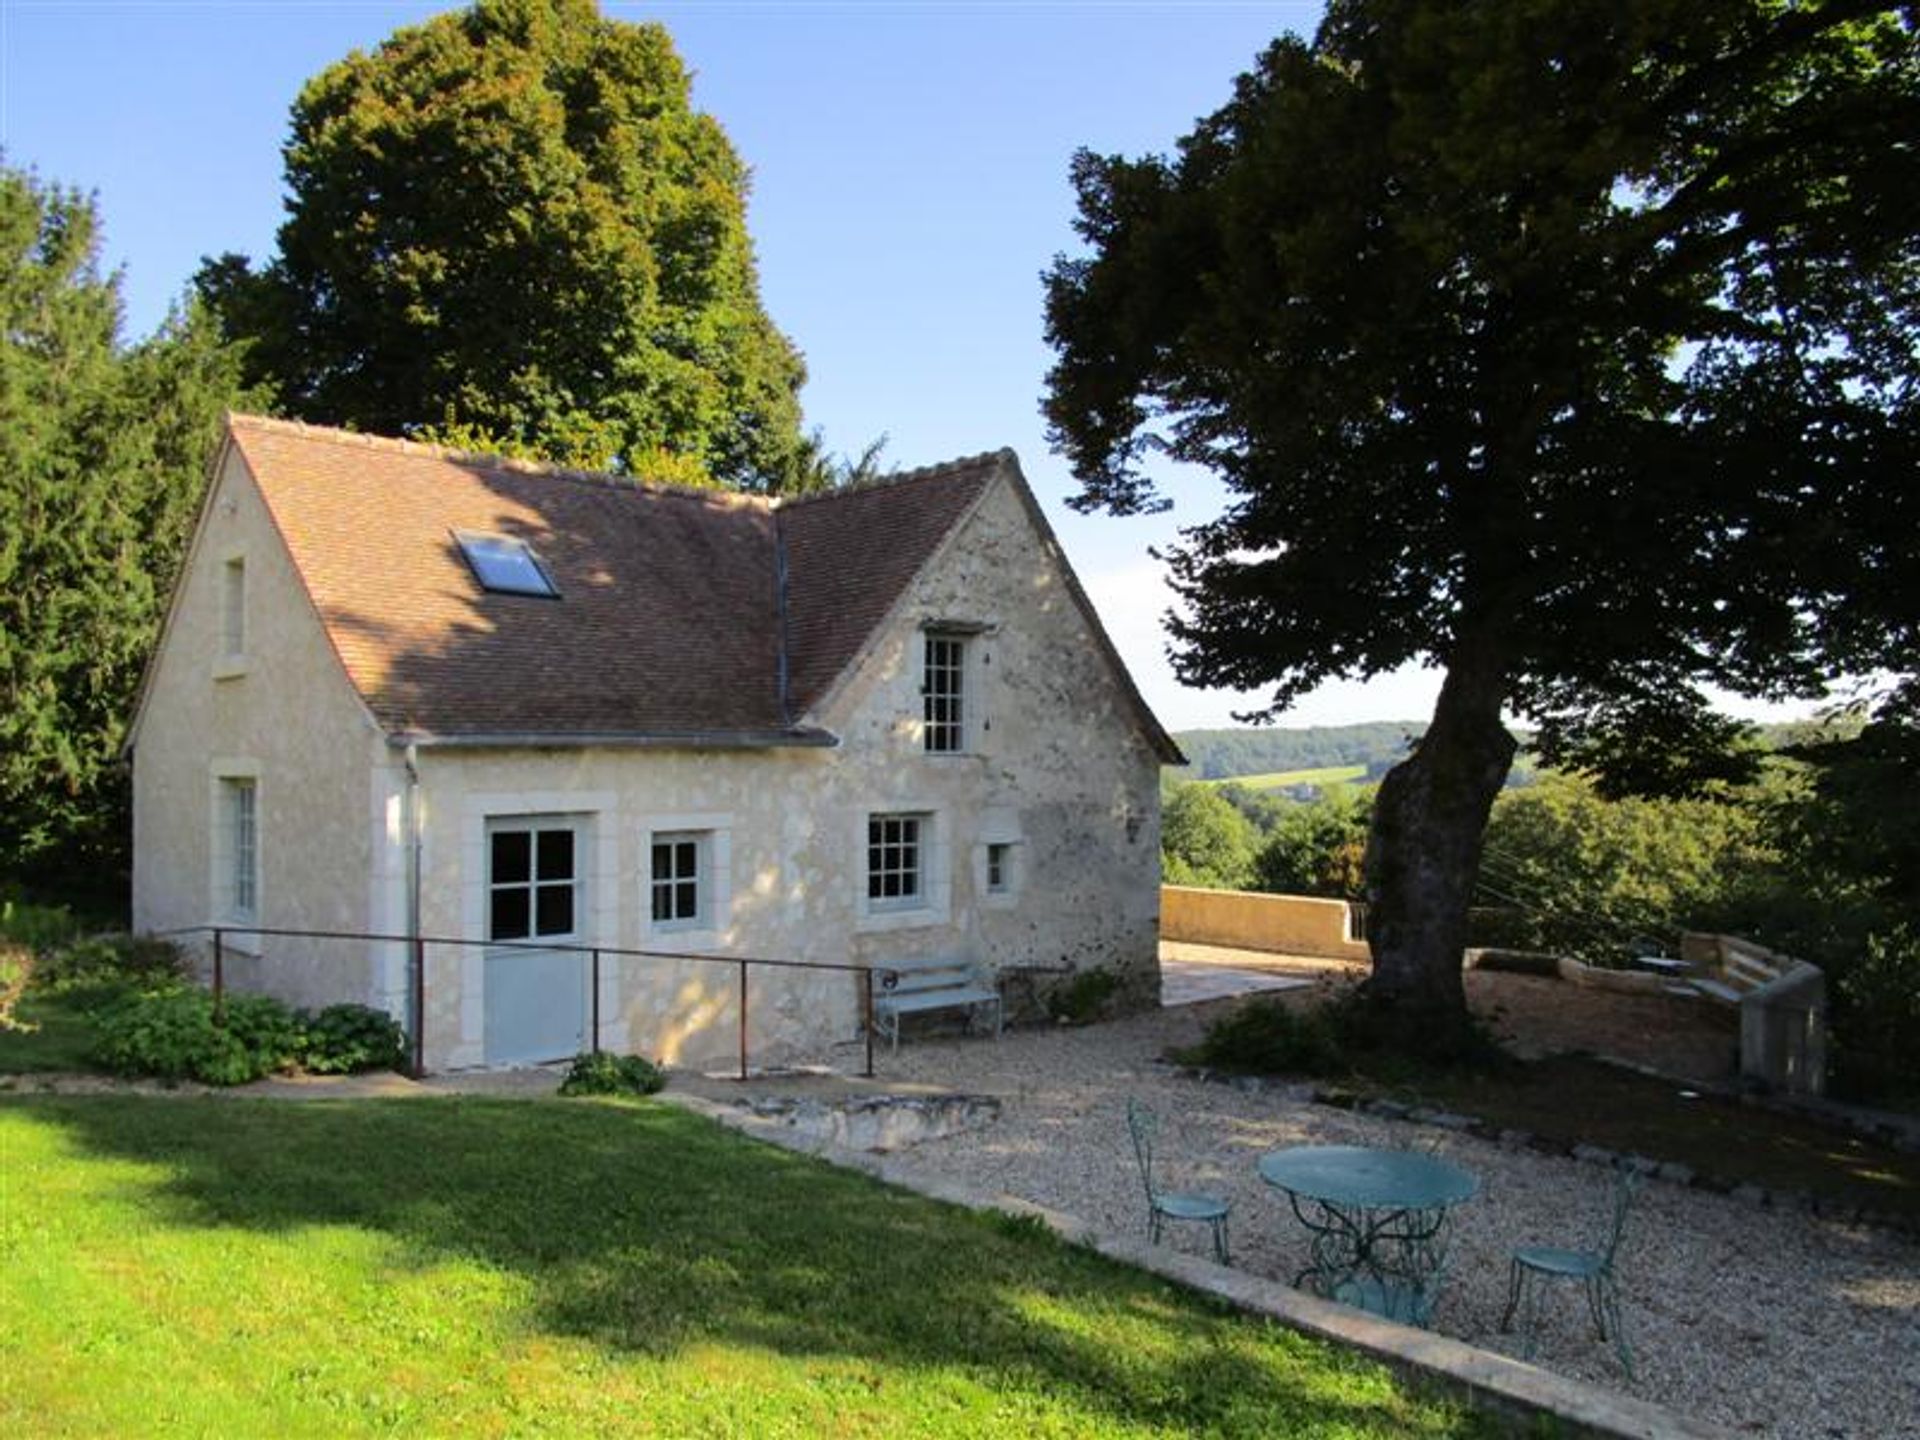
[934,471]
[334,435]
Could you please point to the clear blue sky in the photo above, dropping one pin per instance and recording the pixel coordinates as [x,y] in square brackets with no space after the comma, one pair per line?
[910,185]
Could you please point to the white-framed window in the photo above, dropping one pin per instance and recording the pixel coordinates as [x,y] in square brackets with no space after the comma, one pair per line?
[533,879]
[943,689]
[896,862]
[240,846]
[680,866]
[233,608]
[999,868]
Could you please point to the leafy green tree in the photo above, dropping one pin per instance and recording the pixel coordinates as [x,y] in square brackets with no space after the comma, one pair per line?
[509,224]
[103,453]
[1318,848]
[1605,879]
[1565,347]
[1204,840]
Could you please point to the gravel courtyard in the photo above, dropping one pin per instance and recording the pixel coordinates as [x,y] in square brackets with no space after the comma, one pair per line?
[1770,1323]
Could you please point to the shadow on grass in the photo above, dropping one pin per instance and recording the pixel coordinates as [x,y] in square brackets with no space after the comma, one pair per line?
[647,1231]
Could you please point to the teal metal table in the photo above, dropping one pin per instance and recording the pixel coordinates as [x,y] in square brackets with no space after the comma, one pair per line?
[1380,1222]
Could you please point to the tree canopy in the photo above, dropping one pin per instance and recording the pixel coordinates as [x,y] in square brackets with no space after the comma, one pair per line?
[509,226]
[103,452]
[1566,347]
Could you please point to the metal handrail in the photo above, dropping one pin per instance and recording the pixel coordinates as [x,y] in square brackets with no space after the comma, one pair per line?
[419,943]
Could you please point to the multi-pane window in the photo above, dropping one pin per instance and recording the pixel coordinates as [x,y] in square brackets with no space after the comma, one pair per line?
[894,856]
[240,797]
[233,608]
[943,689]
[679,878]
[532,881]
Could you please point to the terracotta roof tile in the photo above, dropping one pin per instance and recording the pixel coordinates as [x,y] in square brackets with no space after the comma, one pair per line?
[668,623]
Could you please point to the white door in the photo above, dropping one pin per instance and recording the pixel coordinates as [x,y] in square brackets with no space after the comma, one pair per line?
[536,998]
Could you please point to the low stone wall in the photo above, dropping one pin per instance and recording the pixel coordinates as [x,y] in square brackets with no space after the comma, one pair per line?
[1244,920]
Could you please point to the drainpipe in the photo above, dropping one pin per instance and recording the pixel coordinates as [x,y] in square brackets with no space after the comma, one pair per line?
[417,986]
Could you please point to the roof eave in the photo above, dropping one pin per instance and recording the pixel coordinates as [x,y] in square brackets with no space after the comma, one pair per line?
[799,738]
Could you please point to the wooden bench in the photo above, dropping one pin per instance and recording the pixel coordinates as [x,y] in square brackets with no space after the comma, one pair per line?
[930,982]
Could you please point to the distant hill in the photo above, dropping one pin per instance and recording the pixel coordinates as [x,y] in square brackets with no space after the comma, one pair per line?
[1221,754]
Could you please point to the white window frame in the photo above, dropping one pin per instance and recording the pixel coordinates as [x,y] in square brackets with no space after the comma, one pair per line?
[999,867]
[228,779]
[932,904]
[534,826]
[230,660]
[701,878]
[946,684]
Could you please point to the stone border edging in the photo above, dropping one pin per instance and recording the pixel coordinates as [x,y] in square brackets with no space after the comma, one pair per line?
[1758,1197]
[1484,1379]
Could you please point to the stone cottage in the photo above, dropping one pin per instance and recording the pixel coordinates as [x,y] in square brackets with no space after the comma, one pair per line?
[404,691]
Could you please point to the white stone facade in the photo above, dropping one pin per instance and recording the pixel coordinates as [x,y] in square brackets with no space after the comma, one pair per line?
[1039,839]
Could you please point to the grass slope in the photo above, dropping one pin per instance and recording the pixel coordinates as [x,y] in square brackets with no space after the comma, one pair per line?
[488,1267]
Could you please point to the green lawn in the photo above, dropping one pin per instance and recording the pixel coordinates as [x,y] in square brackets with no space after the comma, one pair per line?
[61,1036]
[492,1267]
[1280,779]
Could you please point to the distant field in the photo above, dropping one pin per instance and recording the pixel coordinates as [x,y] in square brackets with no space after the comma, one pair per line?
[1281,779]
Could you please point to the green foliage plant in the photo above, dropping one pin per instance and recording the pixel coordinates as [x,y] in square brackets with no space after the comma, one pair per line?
[509,228]
[1083,998]
[1318,849]
[604,1073]
[1205,840]
[1563,347]
[1876,1018]
[342,1039]
[1351,1033]
[103,450]
[178,1033]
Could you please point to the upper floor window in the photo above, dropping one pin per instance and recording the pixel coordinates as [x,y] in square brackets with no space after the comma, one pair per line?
[233,609]
[944,691]
[506,566]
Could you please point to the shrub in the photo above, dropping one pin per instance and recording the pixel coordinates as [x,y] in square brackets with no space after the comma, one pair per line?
[1265,1037]
[171,1033]
[345,1038]
[104,968]
[1352,1033]
[1084,996]
[608,1074]
[1876,1020]
[16,971]
[38,927]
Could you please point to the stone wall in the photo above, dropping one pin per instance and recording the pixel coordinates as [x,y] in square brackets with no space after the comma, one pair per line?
[1283,924]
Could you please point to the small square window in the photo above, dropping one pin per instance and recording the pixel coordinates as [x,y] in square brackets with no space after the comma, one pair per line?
[999,869]
[679,879]
[506,566]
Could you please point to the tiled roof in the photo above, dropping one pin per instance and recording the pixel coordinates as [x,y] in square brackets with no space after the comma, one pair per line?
[669,621]
[685,616]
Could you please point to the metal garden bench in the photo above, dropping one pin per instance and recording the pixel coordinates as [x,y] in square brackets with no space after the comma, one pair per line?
[930,982]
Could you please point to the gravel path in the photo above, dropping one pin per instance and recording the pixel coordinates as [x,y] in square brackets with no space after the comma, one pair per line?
[1771,1323]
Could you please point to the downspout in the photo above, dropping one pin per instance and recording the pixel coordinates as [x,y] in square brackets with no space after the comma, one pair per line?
[416,951]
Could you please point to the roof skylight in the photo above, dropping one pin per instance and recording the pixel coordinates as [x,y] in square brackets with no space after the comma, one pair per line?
[506,566]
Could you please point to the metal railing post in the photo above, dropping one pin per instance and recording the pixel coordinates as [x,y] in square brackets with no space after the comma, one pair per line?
[419,1006]
[595,981]
[219,977]
[743,1019]
[866,985]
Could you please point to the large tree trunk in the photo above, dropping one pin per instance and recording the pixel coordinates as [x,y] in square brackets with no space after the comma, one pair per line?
[1423,854]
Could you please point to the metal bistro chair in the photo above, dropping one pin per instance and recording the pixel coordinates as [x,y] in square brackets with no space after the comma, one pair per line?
[1592,1268]
[1164,1205]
